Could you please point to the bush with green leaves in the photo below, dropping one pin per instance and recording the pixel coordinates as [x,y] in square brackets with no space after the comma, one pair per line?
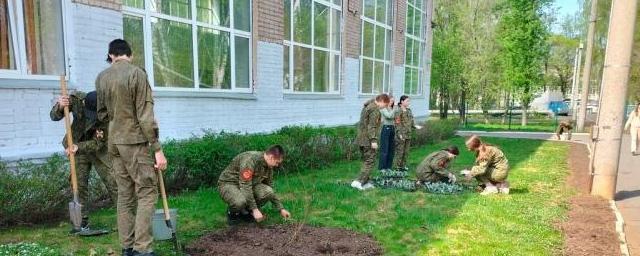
[27,249]
[197,162]
[43,190]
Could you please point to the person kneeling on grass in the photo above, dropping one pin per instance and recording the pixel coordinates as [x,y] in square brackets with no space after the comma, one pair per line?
[564,128]
[491,168]
[434,167]
[247,184]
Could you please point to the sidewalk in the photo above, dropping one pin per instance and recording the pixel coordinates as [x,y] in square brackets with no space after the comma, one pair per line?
[628,186]
[628,195]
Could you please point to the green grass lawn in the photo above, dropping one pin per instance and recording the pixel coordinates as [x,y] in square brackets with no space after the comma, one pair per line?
[522,223]
[533,125]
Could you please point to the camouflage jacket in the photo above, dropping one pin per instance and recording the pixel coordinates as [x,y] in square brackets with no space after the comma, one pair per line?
[369,125]
[434,165]
[404,124]
[125,101]
[247,170]
[494,159]
[83,128]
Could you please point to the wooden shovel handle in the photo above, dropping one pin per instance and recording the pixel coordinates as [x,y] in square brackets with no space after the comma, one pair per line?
[67,125]
[165,204]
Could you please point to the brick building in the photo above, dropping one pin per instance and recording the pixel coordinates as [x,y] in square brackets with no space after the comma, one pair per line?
[233,65]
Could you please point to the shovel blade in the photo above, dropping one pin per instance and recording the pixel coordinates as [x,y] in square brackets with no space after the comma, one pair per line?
[75,214]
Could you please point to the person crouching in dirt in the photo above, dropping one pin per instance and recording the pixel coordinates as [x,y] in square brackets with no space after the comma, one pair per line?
[564,127]
[89,145]
[491,168]
[434,167]
[247,184]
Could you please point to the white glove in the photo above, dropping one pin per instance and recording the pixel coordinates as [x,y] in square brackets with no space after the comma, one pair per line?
[418,126]
[452,178]
[465,172]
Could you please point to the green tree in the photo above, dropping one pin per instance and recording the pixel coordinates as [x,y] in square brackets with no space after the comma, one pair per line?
[523,37]
[447,59]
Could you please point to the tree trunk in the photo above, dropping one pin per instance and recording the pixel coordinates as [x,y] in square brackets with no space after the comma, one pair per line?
[507,105]
[524,115]
[462,106]
[485,113]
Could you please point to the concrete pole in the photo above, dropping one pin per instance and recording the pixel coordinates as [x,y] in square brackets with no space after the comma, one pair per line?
[574,85]
[586,73]
[615,77]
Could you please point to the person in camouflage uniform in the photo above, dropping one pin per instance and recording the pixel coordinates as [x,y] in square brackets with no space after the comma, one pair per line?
[564,127]
[404,127]
[125,101]
[491,167]
[247,184]
[367,138]
[89,144]
[435,167]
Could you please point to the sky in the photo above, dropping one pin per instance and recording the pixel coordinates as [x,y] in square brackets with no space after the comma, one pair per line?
[565,7]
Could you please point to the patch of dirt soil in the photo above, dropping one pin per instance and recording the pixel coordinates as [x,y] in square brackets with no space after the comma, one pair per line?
[284,240]
[590,229]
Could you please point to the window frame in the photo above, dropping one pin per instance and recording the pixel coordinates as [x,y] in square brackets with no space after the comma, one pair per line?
[147,15]
[423,41]
[291,44]
[389,44]
[17,30]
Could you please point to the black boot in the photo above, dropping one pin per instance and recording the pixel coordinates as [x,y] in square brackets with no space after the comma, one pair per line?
[85,222]
[246,216]
[233,218]
[127,252]
[136,253]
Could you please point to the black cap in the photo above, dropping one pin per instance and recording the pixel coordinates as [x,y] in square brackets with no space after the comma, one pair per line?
[91,101]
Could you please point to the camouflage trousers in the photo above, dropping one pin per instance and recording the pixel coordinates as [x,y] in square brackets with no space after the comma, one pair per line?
[368,161]
[493,175]
[402,152]
[563,130]
[137,194]
[235,199]
[431,177]
[84,162]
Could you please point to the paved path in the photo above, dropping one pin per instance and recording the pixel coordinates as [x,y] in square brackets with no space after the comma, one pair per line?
[628,187]
[628,196]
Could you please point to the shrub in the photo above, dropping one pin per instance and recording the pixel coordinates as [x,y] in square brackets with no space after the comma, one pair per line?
[43,190]
[198,162]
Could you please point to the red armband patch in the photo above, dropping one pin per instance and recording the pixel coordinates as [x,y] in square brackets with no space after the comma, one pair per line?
[443,163]
[246,174]
[397,120]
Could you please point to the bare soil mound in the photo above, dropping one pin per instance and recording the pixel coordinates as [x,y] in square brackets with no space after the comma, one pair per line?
[284,240]
[590,229]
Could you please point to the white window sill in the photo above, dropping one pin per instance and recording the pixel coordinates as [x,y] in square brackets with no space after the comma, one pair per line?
[30,83]
[204,94]
[312,96]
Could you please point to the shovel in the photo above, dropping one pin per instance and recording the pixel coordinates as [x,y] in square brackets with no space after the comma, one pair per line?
[75,208]
[167,215]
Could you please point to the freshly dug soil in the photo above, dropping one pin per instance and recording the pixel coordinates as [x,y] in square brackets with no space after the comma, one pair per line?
[281,240]
[590,229]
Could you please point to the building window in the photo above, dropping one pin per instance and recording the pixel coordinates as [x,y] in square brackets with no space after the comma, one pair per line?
[191,44]
[312,46]
[376,45]
[37,26]
[414,47]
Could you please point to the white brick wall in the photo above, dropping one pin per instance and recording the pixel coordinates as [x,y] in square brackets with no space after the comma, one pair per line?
[26,130]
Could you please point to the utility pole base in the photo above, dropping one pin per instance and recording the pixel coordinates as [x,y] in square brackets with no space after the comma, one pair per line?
[604,186]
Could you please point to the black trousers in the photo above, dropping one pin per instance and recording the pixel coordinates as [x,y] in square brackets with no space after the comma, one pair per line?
[387,146]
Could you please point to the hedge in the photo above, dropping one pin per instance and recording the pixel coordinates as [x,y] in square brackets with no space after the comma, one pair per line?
[43,190]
